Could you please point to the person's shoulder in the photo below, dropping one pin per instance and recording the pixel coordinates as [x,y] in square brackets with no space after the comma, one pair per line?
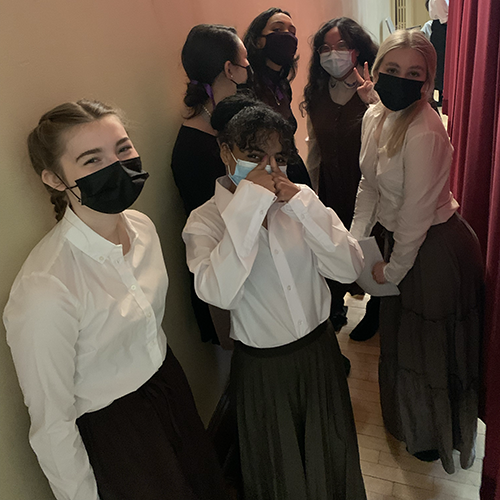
[428,121]
[139,219]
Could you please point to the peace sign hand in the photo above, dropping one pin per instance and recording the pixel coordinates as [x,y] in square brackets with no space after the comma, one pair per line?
[366,90]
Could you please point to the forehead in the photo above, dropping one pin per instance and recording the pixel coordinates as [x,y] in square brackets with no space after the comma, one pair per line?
[100,133]
[405,58]
[333,36]
[279,17]
[271,144]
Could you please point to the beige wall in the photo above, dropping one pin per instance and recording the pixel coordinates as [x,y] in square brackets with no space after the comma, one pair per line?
[125,52]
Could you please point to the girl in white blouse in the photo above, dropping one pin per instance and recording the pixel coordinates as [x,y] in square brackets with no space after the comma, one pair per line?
[112,415]
[430,334]
[262,248]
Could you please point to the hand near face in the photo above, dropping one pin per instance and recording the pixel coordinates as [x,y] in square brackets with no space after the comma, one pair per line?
[378,272]
[285,189]
[259,176]
[366,91]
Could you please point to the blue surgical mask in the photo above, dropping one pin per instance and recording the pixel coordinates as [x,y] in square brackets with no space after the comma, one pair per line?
[243,168]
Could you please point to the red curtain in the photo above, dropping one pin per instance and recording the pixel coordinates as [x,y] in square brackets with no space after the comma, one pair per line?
[472,102]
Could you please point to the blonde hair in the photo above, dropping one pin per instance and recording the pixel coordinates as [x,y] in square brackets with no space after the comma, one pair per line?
[407,39]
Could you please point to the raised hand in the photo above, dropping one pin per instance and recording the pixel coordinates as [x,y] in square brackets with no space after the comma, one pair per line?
[259,175]
[285,189]
[365,90]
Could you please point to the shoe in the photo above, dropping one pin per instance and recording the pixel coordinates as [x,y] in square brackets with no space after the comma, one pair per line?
[427,456]
[339,319]
[368,326]
[347,365]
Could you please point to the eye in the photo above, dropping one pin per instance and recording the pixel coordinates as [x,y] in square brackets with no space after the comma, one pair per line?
[92,160]
[254,156]
[124,149]
[280,160]
[414,74]
[391,71]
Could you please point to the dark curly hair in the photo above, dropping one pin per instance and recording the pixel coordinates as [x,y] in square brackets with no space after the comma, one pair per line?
[355,36]
[250,129]
[256,55]
[46,141]
[206,50]
[231,106]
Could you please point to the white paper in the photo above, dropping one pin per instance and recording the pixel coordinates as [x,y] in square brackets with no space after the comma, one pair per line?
[365,281]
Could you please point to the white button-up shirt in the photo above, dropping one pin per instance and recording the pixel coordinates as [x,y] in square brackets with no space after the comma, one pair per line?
[271,279]
[84,325]
[438,9]
[408,192]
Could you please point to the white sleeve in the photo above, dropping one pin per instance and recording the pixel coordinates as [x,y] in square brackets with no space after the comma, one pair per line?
[365,209]
[313,155]
[427,158]
[221,248]
[338,254]
[41,319]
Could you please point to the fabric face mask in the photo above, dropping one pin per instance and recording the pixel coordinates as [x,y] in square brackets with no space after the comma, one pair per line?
[114,188]
[398,93]
[337,63]
[281,47]
[243,168]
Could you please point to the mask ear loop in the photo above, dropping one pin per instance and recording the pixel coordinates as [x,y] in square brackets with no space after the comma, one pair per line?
[70,188]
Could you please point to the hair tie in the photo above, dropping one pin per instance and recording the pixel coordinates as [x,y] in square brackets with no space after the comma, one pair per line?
[208,90]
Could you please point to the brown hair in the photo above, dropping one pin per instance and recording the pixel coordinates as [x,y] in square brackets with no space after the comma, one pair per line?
[46,144]
[412,39]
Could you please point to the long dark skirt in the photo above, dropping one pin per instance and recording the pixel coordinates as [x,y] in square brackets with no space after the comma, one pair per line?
[430,339]
[151,444]
[295,422]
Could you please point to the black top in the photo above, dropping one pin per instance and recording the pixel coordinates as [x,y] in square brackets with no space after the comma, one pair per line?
[271,88]
[196,164]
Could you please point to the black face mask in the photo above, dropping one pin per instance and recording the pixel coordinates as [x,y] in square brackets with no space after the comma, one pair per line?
[398,93]
[242,87]
[281,47]
[114,188]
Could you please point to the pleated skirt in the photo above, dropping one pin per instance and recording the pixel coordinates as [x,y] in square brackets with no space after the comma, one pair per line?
[295,422]
[151,444]
[430,341]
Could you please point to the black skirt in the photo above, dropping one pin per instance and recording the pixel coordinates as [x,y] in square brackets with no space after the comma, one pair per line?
[430,339]
[295,422]
[151,444]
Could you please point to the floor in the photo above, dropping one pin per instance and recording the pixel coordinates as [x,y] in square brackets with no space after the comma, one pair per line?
[390,472]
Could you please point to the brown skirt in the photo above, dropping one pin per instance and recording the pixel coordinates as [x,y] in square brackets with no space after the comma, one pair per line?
[151,444]
[295,423]
[430,338]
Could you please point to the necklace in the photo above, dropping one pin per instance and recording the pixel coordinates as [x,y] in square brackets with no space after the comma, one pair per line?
[206,111]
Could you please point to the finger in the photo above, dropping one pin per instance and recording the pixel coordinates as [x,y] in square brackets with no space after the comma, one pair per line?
[274,165]
[366,71]
[359,78]
[262,163]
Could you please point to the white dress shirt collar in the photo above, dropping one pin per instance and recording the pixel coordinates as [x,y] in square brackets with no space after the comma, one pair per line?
[90,242]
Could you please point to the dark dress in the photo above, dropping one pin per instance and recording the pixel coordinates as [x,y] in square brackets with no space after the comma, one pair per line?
[196,164]
[337,130]
[338,134]
[275,91]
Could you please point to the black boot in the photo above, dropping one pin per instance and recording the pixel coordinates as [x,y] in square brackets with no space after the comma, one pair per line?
[368,326]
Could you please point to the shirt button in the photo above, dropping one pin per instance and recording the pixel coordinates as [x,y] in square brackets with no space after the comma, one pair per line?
[299,322]
[133,287]
[101,258]
[288,287]
[148,315]
[261,212]
[276,251]
[118,261]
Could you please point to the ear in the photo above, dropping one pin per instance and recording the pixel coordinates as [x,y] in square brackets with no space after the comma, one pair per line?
[262,42]
[52,180]
[227,70]
[226,157]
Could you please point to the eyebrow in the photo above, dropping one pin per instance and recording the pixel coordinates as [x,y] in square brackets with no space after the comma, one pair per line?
[396,65]
[99,150]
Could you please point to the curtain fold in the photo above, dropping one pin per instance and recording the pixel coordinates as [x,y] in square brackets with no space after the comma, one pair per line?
[472,102]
